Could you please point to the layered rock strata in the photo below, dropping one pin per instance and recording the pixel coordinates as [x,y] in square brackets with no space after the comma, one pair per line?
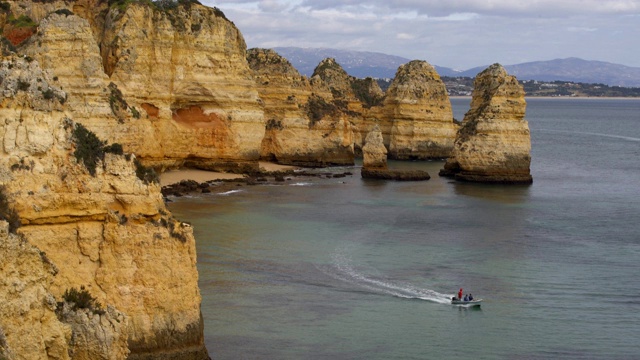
[174,87]
[29,328]
[171,85]
[494,142]
[109,232]
[337,79]
[35,325]
[304,125]
[417,114]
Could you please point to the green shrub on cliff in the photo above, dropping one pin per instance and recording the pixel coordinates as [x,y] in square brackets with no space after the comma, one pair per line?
[114,148]
[48,94]
[219,13]
[123,4]
[23,85]
[273,124]
[317,108]
[7,213]
[82,299]
[362,89]
[65,12]
[146,174]
[89,149]
[22,21]
[117,102]
[172,4]
[166,4]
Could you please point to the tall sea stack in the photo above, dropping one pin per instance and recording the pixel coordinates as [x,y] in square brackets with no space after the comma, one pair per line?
[494,143]
[418,110]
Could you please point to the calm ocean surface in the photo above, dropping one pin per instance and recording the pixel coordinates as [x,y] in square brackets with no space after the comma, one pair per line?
[353,269]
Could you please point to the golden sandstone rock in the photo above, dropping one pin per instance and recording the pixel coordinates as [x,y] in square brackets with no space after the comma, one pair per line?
[109,232]
[374,165]
[304,126]
[170,86]
[494,143]
[418,112]
[374,153]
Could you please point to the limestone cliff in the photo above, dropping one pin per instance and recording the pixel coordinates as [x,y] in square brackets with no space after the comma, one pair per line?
[357,98]
[494,143]
[171,85]
[304,125]
[417,114]
[336,78]
[108,232]
[29,328]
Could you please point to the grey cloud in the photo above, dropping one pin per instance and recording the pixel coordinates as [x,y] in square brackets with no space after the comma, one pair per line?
[495,7]
[272,5]
[456,36]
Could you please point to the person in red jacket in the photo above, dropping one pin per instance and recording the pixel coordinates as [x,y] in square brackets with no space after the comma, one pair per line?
[460,294]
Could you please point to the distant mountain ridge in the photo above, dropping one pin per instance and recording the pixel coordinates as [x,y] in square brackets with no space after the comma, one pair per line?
[378,65]
[356,63]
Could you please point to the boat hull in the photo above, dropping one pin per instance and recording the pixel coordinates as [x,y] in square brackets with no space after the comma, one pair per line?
[466,303]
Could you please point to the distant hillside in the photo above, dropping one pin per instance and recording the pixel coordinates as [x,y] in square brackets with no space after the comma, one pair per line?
[356,63]
[572,69]
[362,64]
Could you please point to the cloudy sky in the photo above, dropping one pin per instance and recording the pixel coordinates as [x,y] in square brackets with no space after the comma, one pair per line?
[454,33]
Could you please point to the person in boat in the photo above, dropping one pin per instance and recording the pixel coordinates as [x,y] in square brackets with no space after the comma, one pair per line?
[466,298]
[460,294]
[470,297]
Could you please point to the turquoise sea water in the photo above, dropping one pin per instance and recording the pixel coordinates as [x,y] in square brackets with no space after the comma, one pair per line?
[345,268]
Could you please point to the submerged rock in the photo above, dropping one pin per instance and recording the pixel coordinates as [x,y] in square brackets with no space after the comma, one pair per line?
[494,143]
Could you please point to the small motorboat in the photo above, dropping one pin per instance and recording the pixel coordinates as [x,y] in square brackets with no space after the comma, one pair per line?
[469,303]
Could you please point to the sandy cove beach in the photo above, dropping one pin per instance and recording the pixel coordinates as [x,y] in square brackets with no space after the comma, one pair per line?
[200,176]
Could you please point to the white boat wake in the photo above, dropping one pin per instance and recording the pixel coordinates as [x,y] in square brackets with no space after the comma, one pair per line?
[301,184]
[628,138]
[342,269]
[227,193]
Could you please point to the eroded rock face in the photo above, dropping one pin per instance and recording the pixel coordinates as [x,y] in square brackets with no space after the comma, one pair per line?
[174,87]
[374,153]
[494,143]
[171,86]
[29,328]
[109,232]
[95,333]
[336,78]
[304,125]
[418,115]
[190,63]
